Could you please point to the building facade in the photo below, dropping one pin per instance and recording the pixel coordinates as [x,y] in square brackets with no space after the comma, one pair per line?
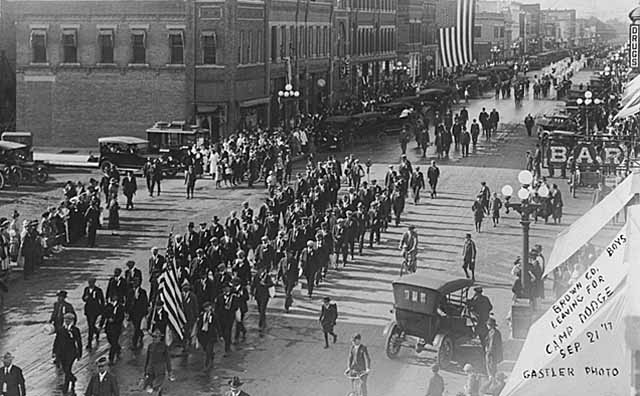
[530,28]
[559,28]
[491,41]
[114,73]
[86,69]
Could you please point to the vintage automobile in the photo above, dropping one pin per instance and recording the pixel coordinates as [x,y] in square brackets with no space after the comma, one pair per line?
[336,132]
[430,314]
[131,153]
[173,140]
[557,122]
[16,168]
[396,116]
[25,138]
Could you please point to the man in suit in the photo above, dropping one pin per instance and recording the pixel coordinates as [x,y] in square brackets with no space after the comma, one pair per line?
[156,264]
[207,333]
[11,379]
[68,348]
[191,310]
[132,272]
[158,363]
[359,362]
[469,257]
[117,285]
[129,188]
[328,317]
[103,383]
[225,310]
[60,308]
[137,309]
[112,320]
[93,305]
[309,266]
[260,292]
[265,254]
[290,273]
[191,240]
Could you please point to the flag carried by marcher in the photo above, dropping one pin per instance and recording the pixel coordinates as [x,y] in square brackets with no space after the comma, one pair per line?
[456,42]
[172,300]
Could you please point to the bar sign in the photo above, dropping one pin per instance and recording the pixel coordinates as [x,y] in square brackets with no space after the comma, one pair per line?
[634,42]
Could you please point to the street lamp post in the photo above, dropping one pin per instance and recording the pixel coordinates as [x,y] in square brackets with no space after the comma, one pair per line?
[587,101]
[525,208]
[288,93]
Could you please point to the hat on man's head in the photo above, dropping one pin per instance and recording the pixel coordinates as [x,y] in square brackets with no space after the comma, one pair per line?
[467,368]
[206,304]
[235,382]
[61,293]
[326,299]
[477,289]
[491,322]
[101,361]
[7,355]
[69,315]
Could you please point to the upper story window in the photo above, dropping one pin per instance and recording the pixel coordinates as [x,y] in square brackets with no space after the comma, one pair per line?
[209,48]
[106,45]
[69,46]
[38,42]
[176,47]
[138,46]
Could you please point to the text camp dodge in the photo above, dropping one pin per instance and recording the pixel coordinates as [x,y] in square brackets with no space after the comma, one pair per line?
[583,299]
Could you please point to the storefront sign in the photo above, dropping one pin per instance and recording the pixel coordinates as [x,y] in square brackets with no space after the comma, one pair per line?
[634,42]
[584,154]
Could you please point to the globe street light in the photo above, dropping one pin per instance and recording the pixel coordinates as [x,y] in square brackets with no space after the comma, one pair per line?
[288,92]
[525,208]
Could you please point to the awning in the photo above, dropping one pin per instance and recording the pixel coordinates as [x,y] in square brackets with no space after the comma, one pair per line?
[255,102]
[206,108]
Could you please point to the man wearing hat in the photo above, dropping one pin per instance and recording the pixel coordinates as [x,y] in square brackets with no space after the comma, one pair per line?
[103,383]
[308,263]
[493,354]
[409,248]
[60,308]
[112,319]
[11,378]
[191,310]
[436,383]
[481,307]
[260,286]
[157,363]
[206,332]
[137,304]
[191,240]
[328,317]
[131,273]
[469,257]
[92,219]
[234,388]
[225,310]
[93,307]
[265,254]
[4,243]
[67,348]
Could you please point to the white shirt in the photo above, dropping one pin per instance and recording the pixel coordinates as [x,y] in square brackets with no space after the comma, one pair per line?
[7,369]
[102,375]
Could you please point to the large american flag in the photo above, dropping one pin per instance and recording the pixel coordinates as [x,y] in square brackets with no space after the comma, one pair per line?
[172,298]
[456,43]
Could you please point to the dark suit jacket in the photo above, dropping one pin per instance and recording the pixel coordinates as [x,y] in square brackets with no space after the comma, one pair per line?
[117,287]
[57,315]
[68,344]
[108,387]
[130,275]
[93,301]
[137,308]
[14,381]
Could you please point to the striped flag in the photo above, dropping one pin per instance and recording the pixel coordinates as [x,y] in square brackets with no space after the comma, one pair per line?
[172,298]
[456,43]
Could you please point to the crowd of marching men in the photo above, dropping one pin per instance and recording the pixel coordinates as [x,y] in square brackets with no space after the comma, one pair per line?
[201,287]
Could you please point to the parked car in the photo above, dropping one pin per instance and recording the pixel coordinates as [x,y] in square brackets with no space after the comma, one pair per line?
[131,153]
[430,313]
[16,166]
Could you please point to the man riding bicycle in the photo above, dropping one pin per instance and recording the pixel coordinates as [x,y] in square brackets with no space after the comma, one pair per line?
[359,364]
[409,248]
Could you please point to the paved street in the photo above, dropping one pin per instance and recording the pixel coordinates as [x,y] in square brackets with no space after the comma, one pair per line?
[290,358]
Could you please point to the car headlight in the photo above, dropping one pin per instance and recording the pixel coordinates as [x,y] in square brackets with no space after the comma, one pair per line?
[170,158]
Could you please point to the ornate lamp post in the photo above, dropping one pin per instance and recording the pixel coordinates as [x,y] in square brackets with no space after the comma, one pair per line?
[587,101]
[288,93]
[525,208]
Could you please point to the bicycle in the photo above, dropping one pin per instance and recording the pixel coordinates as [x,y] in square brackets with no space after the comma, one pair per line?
[409,263]
[356,382]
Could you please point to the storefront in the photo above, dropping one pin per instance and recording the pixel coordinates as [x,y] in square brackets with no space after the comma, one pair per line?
[213,117]
[254,113]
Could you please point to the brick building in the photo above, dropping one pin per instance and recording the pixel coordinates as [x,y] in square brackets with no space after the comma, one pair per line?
[417,34]
[491,43]
[559,27]
[79,78]
[530,28]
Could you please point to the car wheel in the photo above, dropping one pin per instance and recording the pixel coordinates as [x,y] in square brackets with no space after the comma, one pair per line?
[445,352]
[14,176]
[3,180]
[41,175]
[394,342]
[105,166]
